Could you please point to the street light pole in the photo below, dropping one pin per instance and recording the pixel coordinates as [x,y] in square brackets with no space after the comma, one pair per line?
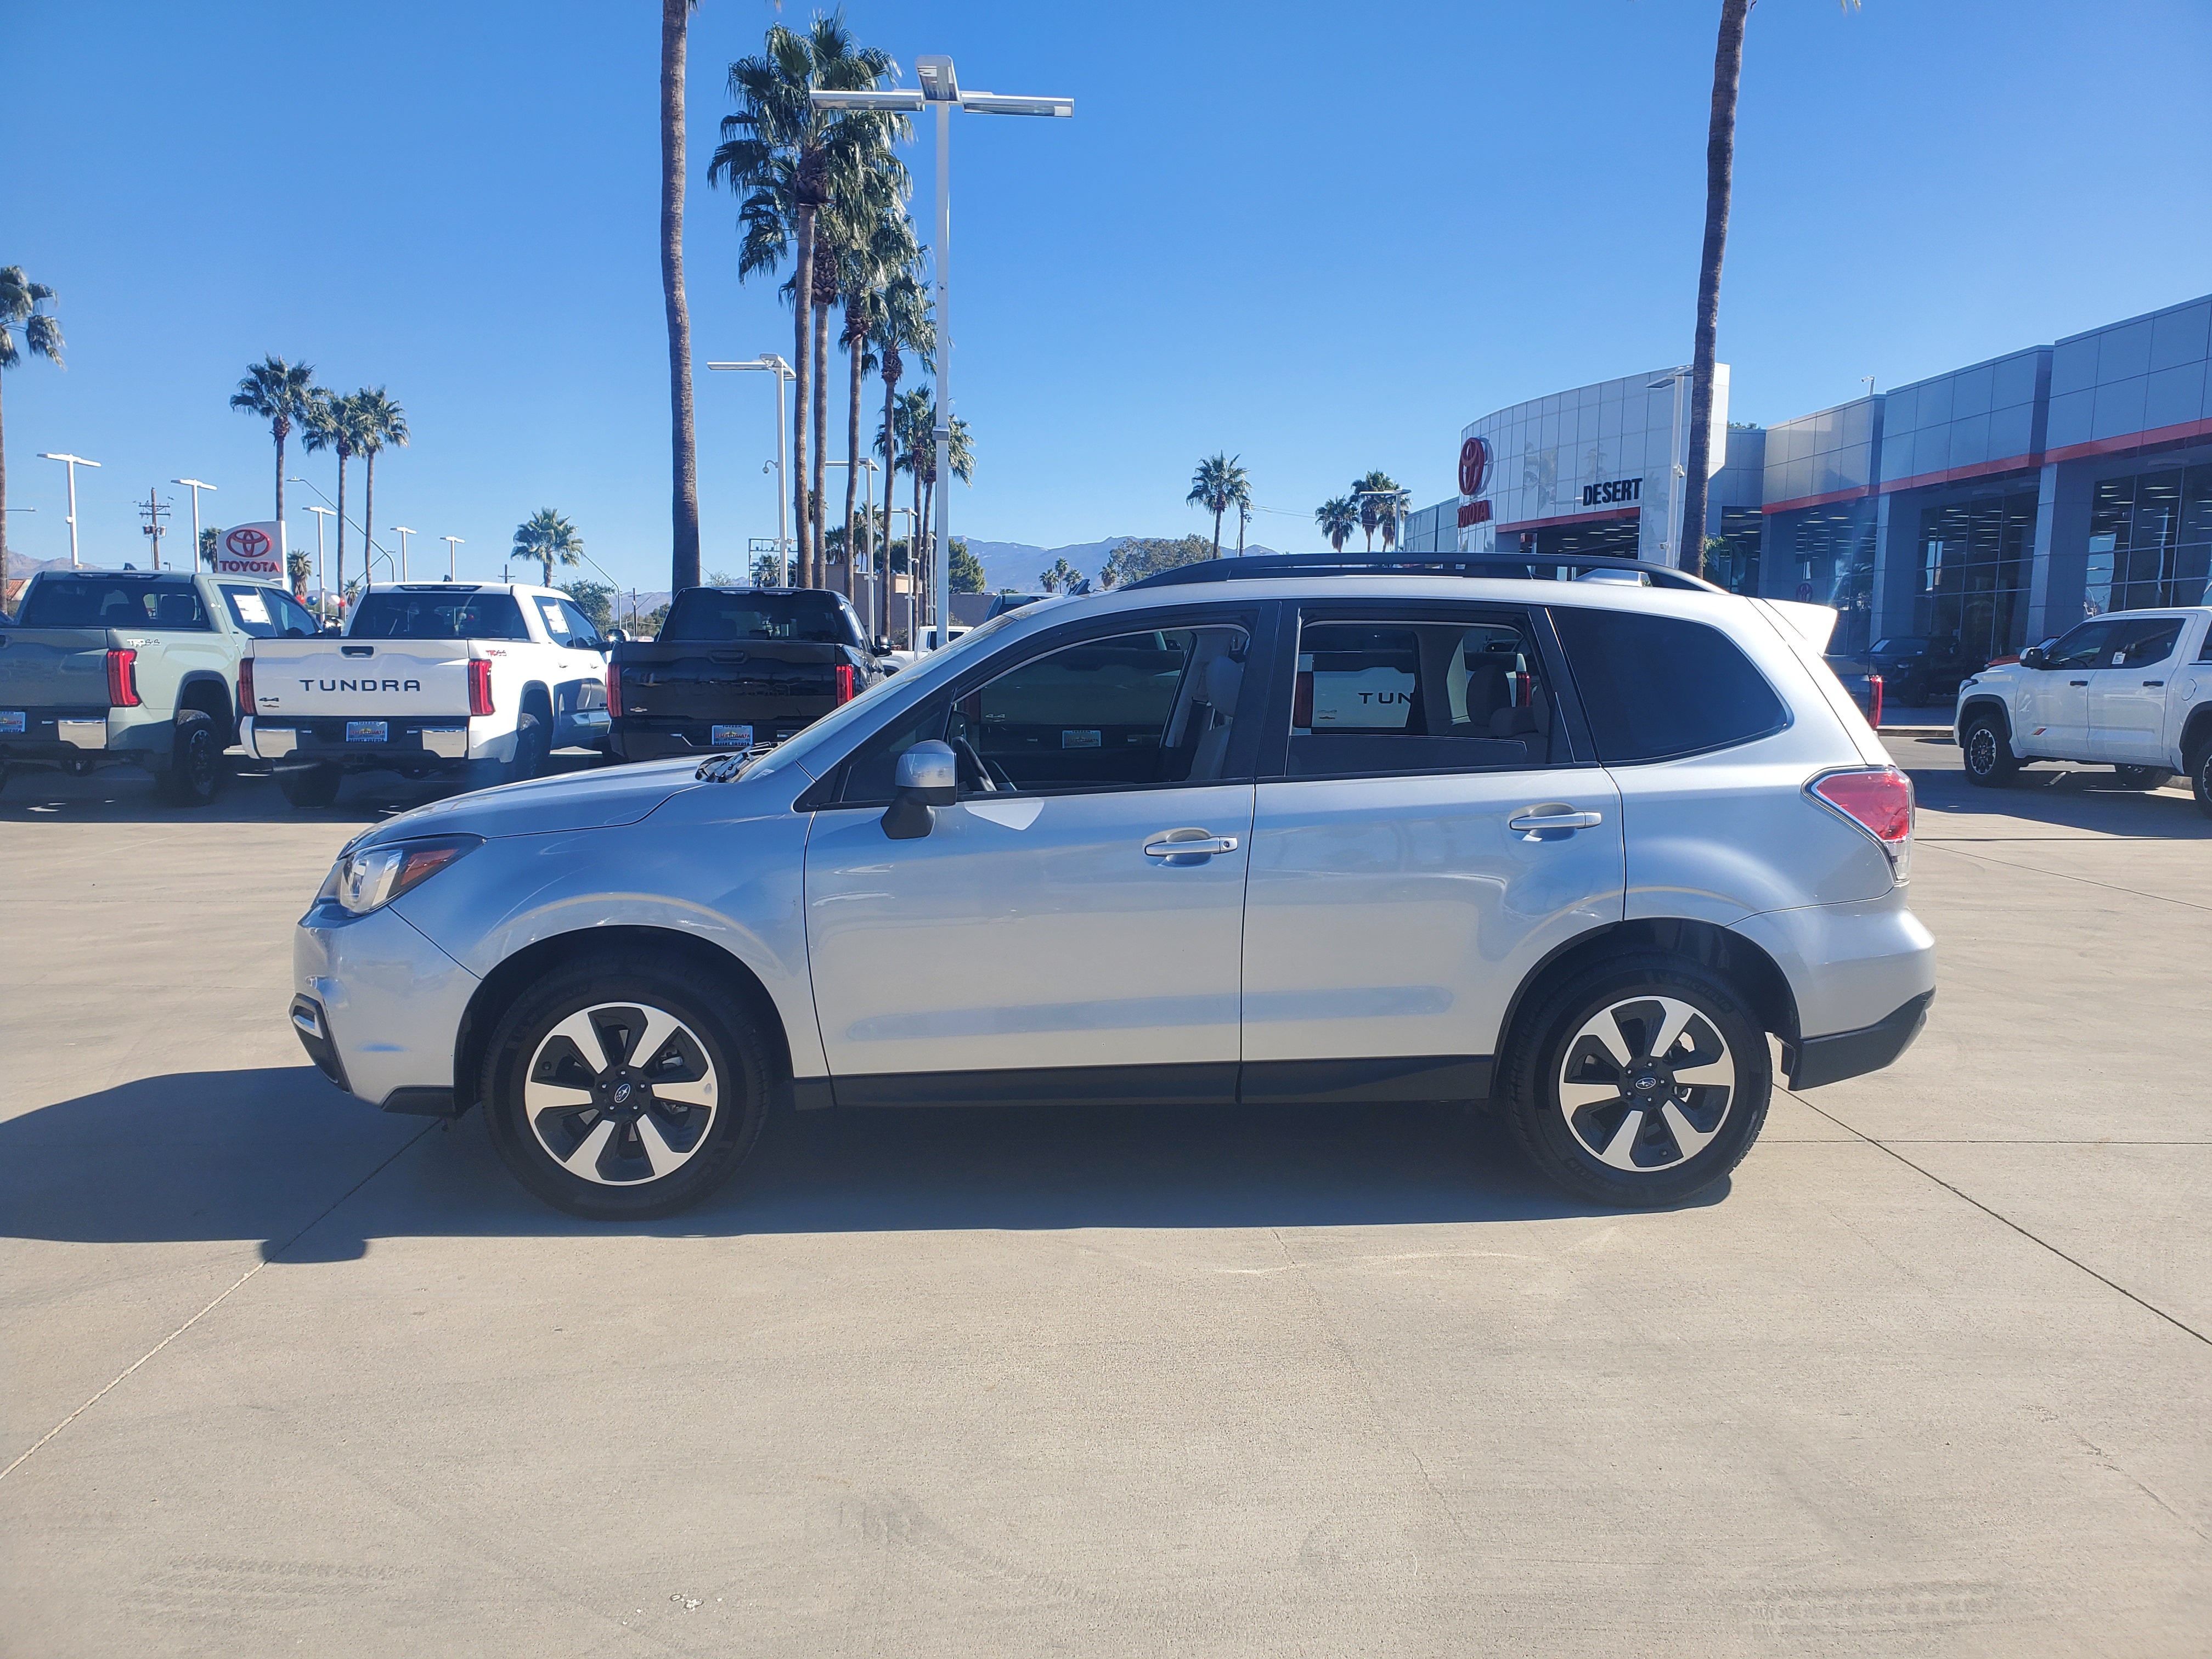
[782,371]
[402,531]
[940,87]
[451,541]
[72,462]
[1675,470]
[195,486]
[322,593]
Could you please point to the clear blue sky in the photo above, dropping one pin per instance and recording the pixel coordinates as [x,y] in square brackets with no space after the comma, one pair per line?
[1322,236]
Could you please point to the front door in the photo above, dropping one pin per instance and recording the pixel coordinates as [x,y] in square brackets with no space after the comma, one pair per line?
[1432,841]
[2054,700]
[2127,696]
[1041,927]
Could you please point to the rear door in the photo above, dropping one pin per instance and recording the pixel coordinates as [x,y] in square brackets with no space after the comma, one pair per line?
[2127,695]
[1430,832]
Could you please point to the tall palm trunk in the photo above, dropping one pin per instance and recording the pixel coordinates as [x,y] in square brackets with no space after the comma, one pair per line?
[3,513]
[856,342]
[820,487]
[342,499]
[369,510]
[1720,178]
[683,564]
[802,305]
[1217,533]
[890,371]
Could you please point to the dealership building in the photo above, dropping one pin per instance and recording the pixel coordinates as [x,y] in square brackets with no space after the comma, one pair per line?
[1998,503]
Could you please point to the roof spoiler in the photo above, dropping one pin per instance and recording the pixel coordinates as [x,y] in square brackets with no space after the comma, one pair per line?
[1514,567]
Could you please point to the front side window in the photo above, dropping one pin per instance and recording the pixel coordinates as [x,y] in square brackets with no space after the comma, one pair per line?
[390,613]
[265,613]
[2083,648]
[583,633]
[1131,710]
[2141,644]
[1656,687]
[1409,697]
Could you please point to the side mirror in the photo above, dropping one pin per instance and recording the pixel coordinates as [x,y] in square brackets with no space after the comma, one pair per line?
[883,646]
[925,779]
[2033,657]
[617,636]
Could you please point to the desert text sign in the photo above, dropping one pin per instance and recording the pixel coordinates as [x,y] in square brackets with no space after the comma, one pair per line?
[251,550]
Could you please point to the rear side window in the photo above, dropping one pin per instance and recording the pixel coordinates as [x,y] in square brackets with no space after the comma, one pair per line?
[390,613]
[94,602]
[1656,687]
[2145,642]
[1415,698]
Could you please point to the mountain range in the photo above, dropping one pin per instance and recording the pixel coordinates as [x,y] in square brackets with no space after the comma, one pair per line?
[1016,564]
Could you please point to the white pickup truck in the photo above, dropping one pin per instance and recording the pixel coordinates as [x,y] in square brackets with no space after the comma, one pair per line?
[2132,690]
[480,679]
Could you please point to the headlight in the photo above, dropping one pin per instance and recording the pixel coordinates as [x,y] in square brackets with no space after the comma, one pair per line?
[374,877]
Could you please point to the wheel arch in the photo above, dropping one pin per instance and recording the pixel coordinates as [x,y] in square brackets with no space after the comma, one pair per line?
[709,962]
[1974,706]
[537,699]
[2195,732]
[1744,964]
[210,694]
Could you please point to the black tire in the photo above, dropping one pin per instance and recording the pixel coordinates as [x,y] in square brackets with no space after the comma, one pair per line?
[197,766]
[1620,1152]
[2200,778]
[532,746]
[310,789]
[2141,777]
[1987,751]
[607,1172]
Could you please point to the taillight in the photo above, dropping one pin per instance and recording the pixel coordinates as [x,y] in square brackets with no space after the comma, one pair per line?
[1879,799]
[480,687]
[1874,699]
[614,692]
[245,688]
[122,677]
[845,681]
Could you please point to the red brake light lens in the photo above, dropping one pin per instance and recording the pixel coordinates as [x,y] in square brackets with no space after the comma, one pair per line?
[1879,802]
[480,687]
[614,691]
[845,678]
[1874,700]
[122,677]
[245,687]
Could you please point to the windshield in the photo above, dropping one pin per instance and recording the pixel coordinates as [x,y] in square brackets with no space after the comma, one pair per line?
[710,616]
[113,602]
[909,685]
[389,614]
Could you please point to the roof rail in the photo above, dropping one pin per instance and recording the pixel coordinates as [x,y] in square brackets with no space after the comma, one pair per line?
[1509,566]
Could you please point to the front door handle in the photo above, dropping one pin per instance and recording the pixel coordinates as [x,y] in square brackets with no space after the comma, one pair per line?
[1174,846]
[1539,818]
[2154,681]
[2077,681]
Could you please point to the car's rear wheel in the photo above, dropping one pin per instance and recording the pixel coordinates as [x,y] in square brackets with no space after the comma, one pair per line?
[1639,1082]
[1988,752]
[2141,777]
[196,761]
[2200,778]
[616,1090]
[309,788]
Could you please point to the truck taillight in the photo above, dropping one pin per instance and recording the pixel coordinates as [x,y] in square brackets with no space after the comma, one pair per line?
[480,687]
[245,688]
[1874,700]
[845,678]
[122,677]
[614,691]
[1879,799]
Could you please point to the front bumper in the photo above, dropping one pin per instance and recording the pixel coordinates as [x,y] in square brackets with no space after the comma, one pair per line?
[389,1004]
[1817,1060]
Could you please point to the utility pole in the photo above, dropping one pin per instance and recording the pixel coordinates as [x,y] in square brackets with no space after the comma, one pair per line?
[154,512]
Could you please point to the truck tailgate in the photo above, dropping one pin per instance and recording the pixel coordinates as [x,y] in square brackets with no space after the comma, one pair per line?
[758,683]
[372,678]
[53,668]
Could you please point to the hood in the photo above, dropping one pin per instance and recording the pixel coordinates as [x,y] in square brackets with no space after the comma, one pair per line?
[547,806]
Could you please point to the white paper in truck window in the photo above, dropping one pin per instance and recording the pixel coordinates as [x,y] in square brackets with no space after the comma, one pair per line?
[251,608]
[556,624]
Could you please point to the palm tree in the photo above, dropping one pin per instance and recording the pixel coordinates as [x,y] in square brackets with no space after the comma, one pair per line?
[1376,493]
[546,536]
[675,34]
[1338,517]
[334,423]
[278,392]
[1063,577]
[1218,485]
[873,240]
[903,322]
[382,422]
[20,300]
[791,157]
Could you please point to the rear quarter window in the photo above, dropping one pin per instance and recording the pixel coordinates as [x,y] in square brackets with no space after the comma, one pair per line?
[1657,687]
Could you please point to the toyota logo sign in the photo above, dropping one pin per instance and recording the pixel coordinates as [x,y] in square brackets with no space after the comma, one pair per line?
[1474,465]
[248,543]
[251,550]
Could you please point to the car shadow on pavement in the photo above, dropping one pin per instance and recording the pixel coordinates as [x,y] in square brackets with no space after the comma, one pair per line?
[276,1155]
[2085,798]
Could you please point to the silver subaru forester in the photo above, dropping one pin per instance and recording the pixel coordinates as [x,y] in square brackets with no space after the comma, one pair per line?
[1573,841]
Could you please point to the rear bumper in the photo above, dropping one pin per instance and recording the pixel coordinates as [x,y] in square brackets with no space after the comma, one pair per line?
[634,739]
[1822,1060]
[69,737]
[409,743]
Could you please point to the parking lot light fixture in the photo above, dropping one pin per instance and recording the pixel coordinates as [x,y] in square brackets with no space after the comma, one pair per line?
[451,542]
[940,91]
[1675,470]
[402,531]
[783,371]
[72,462]
[195,485]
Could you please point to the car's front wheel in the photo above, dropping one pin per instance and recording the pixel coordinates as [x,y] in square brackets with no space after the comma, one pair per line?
[1988,753]
[2200,778]
[618,1091]
[2142,777]
[1639,1082]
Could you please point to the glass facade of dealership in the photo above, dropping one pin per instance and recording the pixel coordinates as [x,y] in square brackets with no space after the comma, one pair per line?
[1995,504]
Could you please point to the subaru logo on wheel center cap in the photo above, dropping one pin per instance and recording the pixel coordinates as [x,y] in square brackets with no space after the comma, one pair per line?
[621,1093]
[1645,1082]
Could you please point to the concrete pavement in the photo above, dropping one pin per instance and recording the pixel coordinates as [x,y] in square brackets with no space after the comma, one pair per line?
[1930,1374]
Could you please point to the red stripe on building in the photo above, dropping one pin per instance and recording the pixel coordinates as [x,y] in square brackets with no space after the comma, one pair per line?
[2163,434]
[1857,492]
[1962,474]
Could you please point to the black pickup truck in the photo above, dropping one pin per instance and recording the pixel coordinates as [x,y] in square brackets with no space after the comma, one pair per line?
[737,665]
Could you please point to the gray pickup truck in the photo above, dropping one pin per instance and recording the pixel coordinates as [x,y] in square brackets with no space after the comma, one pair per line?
[134,667]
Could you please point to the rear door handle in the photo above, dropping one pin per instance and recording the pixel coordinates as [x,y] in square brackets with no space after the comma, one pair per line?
[1172,844]
[1539,818]
[2077,681]
[2154,681]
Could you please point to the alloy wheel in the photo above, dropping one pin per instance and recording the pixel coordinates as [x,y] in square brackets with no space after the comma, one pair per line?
[1646,1084]
[619,1094]
[1982,751]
